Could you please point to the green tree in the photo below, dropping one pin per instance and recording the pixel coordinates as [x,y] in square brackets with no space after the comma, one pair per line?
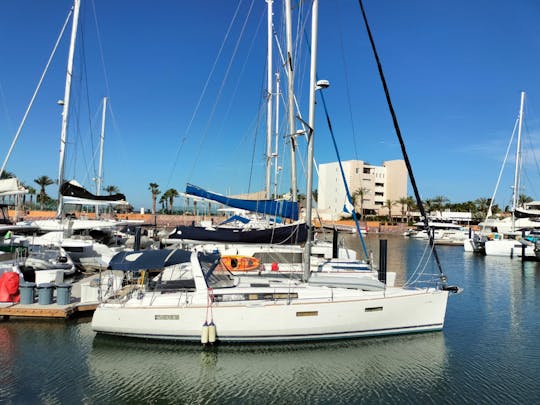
[111,190]
[388,205]
[43,181]
[523,199]
[6,175]
[482,206]
[154,189]
[171,194]
[358,196]
[404,202]
[163,201]
[439,202]
[32,192]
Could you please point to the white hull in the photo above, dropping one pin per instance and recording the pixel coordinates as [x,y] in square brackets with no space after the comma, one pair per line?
[508,248]
[341,313]
[54,225]
[191,291]
[84,252]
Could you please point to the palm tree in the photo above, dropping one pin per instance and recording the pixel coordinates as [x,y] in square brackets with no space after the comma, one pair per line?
[404,201]
[388,205]
[43,181]
[524,199]
[482,206]
[163,201]
[171,195]
[6,175]
[429,204]
[154,189]
[111,189]
[439,202]
[361,192]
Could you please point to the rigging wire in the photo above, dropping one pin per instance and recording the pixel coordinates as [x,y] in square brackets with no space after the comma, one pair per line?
[343,177]
[492,201]
[402,145]
[531,149]
[84,81]
[203,93]
[36,91]
[220,91]
[347,83]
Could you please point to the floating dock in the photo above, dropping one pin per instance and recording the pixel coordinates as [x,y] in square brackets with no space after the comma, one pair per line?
[36,310]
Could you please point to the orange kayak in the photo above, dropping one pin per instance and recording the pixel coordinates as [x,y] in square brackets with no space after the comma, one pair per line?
[240,263]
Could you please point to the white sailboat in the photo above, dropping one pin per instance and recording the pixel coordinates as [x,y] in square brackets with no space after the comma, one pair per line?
[504,237]
[193,298]
[65,231]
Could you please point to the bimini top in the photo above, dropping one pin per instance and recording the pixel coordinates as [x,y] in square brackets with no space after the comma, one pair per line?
[149,259]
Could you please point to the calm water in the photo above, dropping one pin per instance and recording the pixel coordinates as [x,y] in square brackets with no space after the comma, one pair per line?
[489,352]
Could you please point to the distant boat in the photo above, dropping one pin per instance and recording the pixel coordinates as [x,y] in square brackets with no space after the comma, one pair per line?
[505,237]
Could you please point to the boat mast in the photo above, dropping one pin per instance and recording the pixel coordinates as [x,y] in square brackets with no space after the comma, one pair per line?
[101,142]
[311,122]
[67,92]
[515,200]
[269,102]
[276,137]
[292,132]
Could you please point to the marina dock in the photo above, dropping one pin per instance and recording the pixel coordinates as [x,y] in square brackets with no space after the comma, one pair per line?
[8,310]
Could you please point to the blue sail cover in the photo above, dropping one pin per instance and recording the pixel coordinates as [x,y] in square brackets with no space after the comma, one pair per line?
[286,209]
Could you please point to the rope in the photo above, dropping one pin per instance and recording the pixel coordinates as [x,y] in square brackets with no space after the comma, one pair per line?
[209,305]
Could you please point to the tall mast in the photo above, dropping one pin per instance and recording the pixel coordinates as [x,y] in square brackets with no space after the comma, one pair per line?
[269,103]
[99,179]
[311,122]
[515,199]
[101,142]
[276,137]
[67,92]
[290,95]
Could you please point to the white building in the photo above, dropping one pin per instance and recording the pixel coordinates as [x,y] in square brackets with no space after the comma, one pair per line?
[379,184]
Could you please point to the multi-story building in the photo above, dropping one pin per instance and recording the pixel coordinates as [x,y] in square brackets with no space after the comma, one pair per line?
[374,185]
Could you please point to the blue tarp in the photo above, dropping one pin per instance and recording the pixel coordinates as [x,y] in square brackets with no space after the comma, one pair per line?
[235,218]
[287,209]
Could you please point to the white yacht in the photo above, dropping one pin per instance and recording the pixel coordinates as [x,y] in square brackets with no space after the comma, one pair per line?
[190,300]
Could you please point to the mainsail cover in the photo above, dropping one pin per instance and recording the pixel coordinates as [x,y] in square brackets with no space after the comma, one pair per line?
[11,186]
[73,193]
[278,208]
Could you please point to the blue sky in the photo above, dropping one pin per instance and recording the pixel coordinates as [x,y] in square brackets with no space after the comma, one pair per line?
[182,111]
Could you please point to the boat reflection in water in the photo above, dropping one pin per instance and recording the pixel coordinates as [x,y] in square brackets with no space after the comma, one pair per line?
[340,371]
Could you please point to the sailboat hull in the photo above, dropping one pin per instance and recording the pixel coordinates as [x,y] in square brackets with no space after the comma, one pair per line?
[508,248]
[377,314]
[282,234]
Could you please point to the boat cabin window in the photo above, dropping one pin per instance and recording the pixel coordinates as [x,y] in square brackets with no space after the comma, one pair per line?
[216,276]
[280,257]
[173,278]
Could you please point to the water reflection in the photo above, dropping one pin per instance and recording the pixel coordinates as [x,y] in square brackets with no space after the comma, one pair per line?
[335,371]
[487,353]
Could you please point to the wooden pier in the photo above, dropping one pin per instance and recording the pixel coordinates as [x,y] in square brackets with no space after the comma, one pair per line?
[36,310]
